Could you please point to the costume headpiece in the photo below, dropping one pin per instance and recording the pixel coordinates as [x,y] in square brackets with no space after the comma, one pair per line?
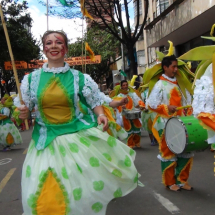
[152,75]
[205,54]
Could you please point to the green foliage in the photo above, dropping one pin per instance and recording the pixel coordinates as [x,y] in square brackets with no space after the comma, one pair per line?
[24,46]
[102,43]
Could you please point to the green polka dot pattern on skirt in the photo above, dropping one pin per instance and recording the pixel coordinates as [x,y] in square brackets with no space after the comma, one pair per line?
[117,173]
[127,161]
[62,150]
[28,171]
[64,173]
[51,148]
[77,193]
[94,162]
[107,156]
[93,138]
[111,141]
[85,141]
[98,185]
[97,207]
[90,167]
[131,152]
[74,147]
[118,193]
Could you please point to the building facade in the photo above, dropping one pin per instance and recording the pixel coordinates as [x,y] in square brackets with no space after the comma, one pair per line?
[180,21]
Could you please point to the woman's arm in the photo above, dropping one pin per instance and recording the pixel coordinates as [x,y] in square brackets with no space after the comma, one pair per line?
[101,118]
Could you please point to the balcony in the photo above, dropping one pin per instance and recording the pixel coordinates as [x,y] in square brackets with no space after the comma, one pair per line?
[182,21]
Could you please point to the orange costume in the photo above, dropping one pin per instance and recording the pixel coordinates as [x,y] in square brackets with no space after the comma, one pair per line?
[175,168]
[131,126]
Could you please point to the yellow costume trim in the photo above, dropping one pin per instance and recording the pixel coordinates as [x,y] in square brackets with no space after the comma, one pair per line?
[208,115]
[190,162]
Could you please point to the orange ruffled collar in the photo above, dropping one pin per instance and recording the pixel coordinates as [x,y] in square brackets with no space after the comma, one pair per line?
[165,79]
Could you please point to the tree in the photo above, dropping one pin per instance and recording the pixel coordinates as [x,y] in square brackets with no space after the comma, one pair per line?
[108,15]
[24,46]
[102,43]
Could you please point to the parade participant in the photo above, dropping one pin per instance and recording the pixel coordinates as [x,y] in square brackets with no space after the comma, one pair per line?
[164,99]
[10,135]
[131,126]
[71,167]
[110,111]
[203,98]
[147,117]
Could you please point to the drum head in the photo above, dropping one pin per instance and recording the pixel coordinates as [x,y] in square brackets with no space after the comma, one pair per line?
[175,135]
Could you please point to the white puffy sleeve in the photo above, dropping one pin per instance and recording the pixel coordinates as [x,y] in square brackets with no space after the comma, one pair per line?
[156,96]
[135,98]
[106,99]
[25,91]
[91,92]
[6,111]
[203,99]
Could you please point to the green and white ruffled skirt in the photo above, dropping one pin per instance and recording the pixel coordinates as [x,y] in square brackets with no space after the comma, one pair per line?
[77,174]
[10,135]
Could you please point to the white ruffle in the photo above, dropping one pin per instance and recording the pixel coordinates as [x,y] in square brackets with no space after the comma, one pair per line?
[166,160]
[135,98]
[168,78]
[56,70]
[25,91]
[156,96]
[91,92]
[203,96]
[5,111]
[106,99]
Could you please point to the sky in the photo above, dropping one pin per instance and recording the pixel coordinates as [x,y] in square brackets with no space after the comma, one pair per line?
[72,27]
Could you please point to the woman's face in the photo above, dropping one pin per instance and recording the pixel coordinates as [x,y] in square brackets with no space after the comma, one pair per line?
[54,47]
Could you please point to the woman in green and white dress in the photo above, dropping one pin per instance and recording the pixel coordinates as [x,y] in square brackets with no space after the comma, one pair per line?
[71,168]
[10,135]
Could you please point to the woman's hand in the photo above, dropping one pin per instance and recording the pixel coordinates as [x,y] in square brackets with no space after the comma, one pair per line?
[102,119]
[24,112]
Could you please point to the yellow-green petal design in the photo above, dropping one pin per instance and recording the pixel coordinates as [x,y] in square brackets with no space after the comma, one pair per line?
[199,53]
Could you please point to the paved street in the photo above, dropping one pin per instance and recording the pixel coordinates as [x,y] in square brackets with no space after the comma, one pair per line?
[153,199]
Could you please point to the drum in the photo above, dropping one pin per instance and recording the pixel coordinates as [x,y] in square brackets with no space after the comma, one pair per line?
[185,134]
[132,114]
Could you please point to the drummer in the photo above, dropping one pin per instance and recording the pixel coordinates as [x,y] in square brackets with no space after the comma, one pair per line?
[164,99]
[131,126]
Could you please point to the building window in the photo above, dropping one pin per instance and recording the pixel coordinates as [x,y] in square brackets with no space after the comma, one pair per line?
[135,8]
[141,60]
[162,5]
[141,35]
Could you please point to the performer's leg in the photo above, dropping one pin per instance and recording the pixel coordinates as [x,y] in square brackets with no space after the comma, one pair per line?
[168,172]
[130,140]
[183,169]
[136,139]
[135,128]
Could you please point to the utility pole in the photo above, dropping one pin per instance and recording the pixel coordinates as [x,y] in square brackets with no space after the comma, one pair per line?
[47,11]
